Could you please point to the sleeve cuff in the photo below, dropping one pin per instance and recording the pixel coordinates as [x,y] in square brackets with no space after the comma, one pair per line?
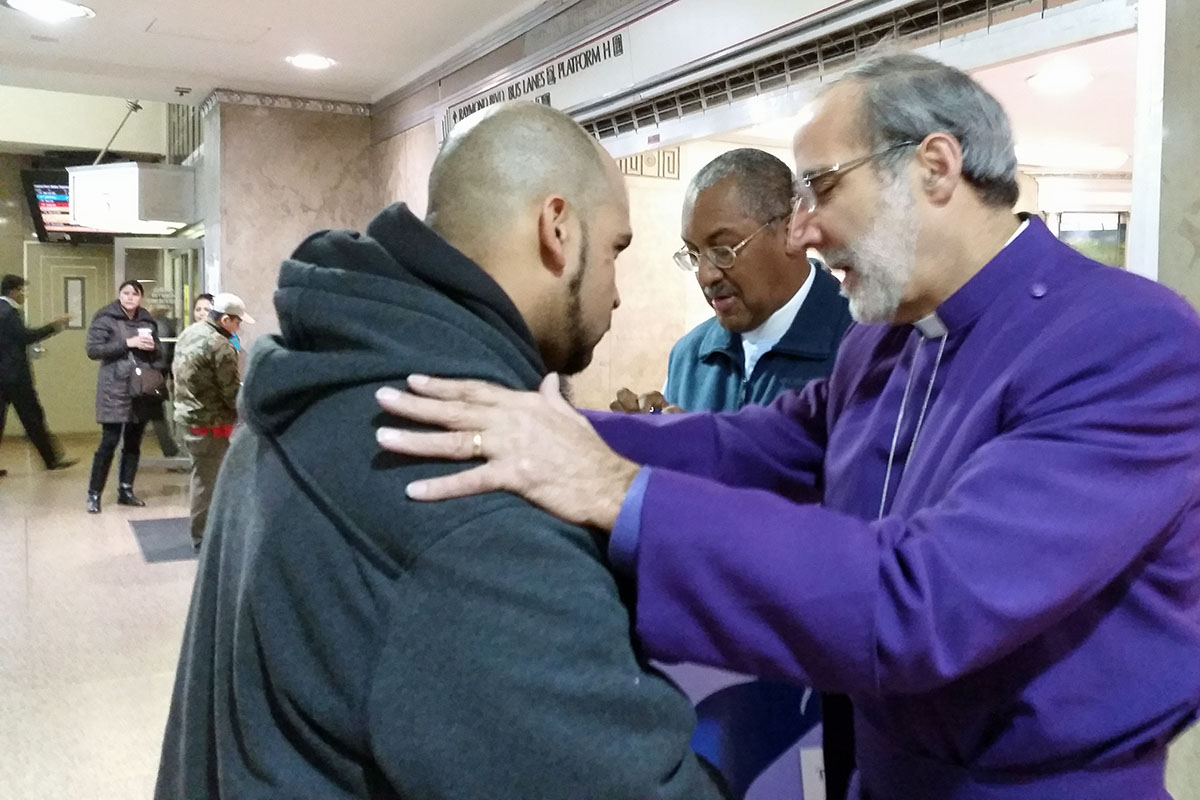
[623,544]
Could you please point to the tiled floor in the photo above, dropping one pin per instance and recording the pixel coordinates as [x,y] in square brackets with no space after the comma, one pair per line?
[89,632]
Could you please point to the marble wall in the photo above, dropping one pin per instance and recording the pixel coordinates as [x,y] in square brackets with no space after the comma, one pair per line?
[285,173]
[1179,249]
[1179,220]
[402,166]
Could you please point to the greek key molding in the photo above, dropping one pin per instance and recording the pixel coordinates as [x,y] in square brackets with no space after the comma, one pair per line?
[233,97]
[661,163]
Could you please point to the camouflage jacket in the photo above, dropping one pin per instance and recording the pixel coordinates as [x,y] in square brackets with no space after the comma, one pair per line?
[206,377]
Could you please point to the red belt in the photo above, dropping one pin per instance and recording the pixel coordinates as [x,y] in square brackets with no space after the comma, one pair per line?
[217,432]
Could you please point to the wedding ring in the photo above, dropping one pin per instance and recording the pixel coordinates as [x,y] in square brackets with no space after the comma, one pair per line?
[477,446]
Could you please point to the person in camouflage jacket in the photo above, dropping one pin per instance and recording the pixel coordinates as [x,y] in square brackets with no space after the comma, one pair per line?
[206,388]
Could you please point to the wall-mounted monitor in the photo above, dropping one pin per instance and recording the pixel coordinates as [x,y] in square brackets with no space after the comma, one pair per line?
[47,191]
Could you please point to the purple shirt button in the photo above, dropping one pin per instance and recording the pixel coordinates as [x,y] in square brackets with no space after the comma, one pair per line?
[1038,290]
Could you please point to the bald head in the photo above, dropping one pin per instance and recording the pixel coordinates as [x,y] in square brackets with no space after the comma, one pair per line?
[500,162]
[526,194]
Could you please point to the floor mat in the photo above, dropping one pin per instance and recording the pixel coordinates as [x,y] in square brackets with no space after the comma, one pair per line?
[163,539]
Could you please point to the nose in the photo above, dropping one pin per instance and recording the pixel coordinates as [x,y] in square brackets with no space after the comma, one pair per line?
[706,273]
[616,299]
[803,232]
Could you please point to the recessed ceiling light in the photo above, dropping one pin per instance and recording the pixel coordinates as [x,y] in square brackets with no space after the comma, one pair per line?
[310,61]
[1060,77]
[50,10]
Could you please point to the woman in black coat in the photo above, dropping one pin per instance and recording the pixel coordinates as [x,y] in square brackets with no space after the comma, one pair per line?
[122,336]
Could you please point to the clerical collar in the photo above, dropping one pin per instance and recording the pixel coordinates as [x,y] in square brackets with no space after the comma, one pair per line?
[1020,229]
[931,325]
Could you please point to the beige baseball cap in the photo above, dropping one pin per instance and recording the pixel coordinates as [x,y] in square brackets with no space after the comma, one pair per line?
[232,305]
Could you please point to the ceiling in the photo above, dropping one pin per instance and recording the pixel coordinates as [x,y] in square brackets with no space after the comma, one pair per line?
[1072,126]
[1098,116]
[145,49]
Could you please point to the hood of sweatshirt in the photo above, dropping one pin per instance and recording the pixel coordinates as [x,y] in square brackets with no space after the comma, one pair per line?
[364,308]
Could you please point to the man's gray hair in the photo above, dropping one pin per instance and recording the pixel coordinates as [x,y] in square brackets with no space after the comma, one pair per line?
[906,97]
[765,184]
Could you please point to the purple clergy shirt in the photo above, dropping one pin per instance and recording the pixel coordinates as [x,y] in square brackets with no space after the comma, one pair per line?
[1024,620]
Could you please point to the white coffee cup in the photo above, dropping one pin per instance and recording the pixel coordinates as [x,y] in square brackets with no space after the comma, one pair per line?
[146,332]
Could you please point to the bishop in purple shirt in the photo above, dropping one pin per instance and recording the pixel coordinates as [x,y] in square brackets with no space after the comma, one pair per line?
[984,526]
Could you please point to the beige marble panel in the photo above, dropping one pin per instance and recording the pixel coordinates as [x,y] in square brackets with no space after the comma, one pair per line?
[1183,766]
[1179,249]
[284,174]
[1179,221]
[402,165]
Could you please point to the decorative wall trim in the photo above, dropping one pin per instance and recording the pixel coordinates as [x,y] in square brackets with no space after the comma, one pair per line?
[234,97]
[663,163]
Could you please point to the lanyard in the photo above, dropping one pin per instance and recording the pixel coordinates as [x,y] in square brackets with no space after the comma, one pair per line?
[930,327]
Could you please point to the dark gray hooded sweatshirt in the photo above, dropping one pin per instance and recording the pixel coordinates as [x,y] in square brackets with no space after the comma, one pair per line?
[344,641]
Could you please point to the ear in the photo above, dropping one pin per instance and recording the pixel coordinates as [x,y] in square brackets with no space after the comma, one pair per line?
[552,234]
[939,161]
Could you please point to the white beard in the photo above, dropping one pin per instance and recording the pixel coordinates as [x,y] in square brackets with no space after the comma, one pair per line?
[883,259]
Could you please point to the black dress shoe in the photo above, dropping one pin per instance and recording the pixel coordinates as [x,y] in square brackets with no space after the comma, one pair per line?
[126,497]
[63,463]
[93,503]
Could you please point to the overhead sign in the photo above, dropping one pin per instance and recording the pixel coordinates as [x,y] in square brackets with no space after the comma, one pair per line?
[579,76]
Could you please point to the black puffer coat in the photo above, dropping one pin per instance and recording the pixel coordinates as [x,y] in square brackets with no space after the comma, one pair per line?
[106,337]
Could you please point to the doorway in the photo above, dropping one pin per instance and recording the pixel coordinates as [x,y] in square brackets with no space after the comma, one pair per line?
[170,270]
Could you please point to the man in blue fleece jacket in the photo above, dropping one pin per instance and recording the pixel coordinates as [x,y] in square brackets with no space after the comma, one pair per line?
[984,526]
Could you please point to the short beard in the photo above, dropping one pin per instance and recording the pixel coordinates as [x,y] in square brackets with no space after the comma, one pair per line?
[578,353]
[883,258]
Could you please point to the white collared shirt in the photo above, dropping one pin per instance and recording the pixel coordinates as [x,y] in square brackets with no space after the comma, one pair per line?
[760,340]
[10,301]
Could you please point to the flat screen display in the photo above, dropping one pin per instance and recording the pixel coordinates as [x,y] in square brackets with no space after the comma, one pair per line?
[49,205]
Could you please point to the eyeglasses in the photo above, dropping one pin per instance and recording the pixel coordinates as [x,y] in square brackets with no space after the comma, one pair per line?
[814,185]
[720,256]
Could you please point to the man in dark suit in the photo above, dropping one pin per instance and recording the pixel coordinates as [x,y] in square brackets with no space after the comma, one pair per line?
[16,378]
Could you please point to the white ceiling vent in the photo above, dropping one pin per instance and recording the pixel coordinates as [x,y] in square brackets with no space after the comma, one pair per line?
[912,25]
